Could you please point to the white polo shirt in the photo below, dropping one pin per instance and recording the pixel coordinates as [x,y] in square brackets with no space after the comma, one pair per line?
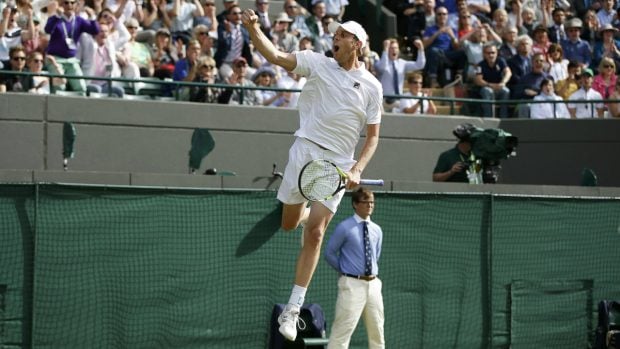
[585,110]
[335,104]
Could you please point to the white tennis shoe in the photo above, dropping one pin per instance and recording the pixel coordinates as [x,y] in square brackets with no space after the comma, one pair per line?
[288,322]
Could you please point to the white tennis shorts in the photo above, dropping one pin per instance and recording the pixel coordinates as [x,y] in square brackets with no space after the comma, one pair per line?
[302,152]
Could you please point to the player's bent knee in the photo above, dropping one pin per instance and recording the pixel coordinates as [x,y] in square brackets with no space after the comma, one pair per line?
[313,237]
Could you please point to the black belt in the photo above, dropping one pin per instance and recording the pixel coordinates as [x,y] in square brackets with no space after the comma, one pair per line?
[361,277]
[315,143]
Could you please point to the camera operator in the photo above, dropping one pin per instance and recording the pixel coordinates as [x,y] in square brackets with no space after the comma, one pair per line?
[453,164]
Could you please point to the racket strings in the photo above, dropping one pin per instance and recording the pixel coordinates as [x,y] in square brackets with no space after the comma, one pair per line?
[319,180]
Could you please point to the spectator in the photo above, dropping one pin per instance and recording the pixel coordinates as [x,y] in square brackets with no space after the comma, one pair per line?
[442,49]
[590,31]
[137,52]
[205,72]
[568,86]
[306,43]
[500,20]
[458,163]
[233,42]
[17,63]
[298,15]
[608,47]
[551,110]
[529,85]
[492,75]
[280,34]
[291,81]
[508,47]
[605,81]
[580,7]
[182,14]
[31,38]
[353,251]
[266,77]
[184,66]
[614,107]
[262,11]
[10,33]
[473,44]
[541,41]
[125,9]
[314,22]
[42,82]
[335,8]
[586,93]
[204,37]
[556,31]
[606,13]
[370,58]
[415,105]
[464,25]
[209,18]
[155,16]
[164,54]
[521,63]
[118,32]
[528,21]
[391,69]
[65,29]
[575,48]
[221,17]
[98,57]
[558,65]
[238,78]
[324,43]
[411,18]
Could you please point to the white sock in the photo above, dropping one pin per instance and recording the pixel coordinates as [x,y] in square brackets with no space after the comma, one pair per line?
[297,296]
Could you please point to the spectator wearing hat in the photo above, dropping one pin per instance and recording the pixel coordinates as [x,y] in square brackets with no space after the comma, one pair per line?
[182,14]
[266,77]
[298,15]
[566,87]
[281,36]
[238,78]
[586,93]
[574,47]
[541,41]
[607,47]
[209,19]
[233,42]
[607,12]
[164,54]
[605,81]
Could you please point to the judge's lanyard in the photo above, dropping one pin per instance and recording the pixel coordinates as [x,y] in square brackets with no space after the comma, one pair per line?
[64,28]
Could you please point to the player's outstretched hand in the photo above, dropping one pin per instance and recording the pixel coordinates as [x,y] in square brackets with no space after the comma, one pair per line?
[249,18]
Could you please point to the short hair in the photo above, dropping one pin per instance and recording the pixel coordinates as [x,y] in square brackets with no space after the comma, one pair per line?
[487,45]
[415,76]
[361,194]
[18,48]
[545,82]
[524,38]
[573,64]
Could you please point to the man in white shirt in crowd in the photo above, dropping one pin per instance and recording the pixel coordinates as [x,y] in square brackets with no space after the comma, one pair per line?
[586,93]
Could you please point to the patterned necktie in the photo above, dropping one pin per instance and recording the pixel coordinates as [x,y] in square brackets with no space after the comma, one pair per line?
[367,253]
[395,78]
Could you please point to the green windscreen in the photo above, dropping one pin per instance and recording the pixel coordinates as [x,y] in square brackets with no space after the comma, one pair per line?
[90,267]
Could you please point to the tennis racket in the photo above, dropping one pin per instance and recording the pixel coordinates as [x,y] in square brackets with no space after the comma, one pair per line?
[320,180]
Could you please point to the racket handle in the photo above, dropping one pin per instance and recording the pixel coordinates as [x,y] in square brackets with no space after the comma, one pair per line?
[377,182]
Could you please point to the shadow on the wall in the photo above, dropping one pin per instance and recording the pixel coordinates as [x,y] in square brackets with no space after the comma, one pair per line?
[260,233]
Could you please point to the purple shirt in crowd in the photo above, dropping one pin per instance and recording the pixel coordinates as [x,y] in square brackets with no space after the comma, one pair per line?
[60,28]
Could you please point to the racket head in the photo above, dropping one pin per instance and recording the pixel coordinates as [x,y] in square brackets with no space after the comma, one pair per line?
[320,180]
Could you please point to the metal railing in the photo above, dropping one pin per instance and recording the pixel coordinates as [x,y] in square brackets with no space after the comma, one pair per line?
[171,88]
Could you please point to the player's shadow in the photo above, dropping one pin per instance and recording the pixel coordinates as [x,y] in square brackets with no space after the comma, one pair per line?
[260,233]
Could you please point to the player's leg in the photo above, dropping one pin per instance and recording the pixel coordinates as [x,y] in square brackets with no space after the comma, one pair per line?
[349,306]
[373,315]
[293,215]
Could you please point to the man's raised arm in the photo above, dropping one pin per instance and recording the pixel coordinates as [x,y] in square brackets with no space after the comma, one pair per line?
[264,45]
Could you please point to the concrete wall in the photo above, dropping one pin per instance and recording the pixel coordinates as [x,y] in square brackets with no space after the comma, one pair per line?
[147,143]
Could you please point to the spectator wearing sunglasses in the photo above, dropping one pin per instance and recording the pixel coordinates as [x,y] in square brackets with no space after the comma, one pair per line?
[205,72]
[35,64]
[209,19]
[608,46]
[233,42]
[298,15]
[17,63]
[605,81]
[65,29]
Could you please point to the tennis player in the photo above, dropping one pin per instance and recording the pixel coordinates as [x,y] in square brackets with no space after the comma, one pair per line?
[339,99]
